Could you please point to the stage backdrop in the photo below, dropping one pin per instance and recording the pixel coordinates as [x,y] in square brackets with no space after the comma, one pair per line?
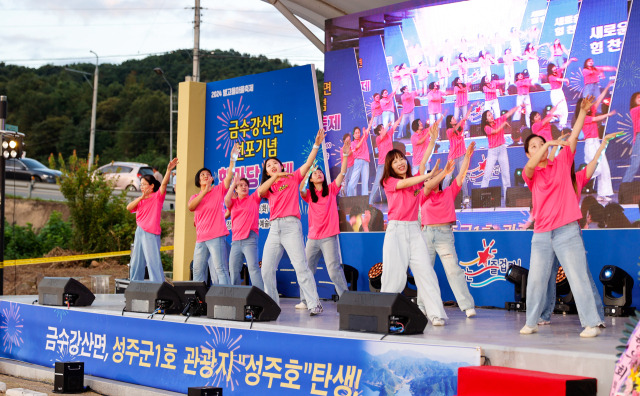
[273,114]
[244,362]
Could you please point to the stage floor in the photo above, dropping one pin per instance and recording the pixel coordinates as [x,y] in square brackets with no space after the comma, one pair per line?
[556,348]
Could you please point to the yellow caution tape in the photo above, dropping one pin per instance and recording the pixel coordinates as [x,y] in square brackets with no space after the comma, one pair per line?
[46,260]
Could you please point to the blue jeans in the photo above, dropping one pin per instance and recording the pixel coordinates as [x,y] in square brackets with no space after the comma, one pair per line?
[635,162]
[213,252]
[377,120]
[461,111]
[146,253]
[387,118]
[248,248]
[551,294]
[376,186]
[286,234]
[405,123]
[497,154]
[360,173]
[566,243]
[591,89]
[457,165]
[328,248]
[440,240]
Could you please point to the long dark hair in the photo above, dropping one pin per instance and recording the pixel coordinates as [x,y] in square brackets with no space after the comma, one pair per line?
[388,169]
[152,182]
[266,177]
[484,83]
[532,116]
[584,65]
[449,125]
[456,82]
[632,103]
[198,176]
[577,112]
[462,58]
[550,67]
[484,122]
[312,188]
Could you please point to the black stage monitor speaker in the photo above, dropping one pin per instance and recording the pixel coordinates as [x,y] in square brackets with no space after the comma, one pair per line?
[244,303]
[69,377]
[192,295]
[488,197]
[629,193]
[64,291]
[518,197]
[150,297]
[380,313]
[204,391]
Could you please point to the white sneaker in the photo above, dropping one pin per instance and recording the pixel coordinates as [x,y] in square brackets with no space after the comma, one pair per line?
[529,330]
[316,310]
[301,305]
[437,322]
[470,313]
[590,332]
[543,322]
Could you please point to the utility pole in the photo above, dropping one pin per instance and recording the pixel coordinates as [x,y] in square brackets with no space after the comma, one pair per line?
[94,105]
[196,44]
[3,118]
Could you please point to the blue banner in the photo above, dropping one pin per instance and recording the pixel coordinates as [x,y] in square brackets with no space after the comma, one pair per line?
[560,24]
[174,356]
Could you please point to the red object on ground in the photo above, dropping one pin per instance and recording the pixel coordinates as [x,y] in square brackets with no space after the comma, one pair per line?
[499,381]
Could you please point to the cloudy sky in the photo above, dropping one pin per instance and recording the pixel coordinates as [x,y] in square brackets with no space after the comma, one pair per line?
[39,32]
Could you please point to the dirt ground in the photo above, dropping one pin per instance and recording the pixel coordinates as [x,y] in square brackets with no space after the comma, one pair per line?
[15,382]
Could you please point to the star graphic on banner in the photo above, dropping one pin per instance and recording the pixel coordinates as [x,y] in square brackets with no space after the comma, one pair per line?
[487,253]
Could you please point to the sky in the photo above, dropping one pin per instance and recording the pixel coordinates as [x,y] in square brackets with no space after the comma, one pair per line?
[39,32]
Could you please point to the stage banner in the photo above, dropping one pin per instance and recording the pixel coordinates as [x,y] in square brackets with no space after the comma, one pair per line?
[174,355]
[274,114]
[560,24]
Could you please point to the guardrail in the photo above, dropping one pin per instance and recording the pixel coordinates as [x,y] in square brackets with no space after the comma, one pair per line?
[9,184]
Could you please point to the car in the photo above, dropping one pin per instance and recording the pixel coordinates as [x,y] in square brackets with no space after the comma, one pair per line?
[27,169]
[125,175]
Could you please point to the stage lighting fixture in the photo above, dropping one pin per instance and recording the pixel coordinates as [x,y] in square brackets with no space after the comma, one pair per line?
[517,177]
[518,276]
[564,297]
[617,286]
[375,277]
[12,145]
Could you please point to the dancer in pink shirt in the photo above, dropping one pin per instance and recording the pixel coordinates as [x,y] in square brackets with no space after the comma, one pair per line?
[592,75]
[523,99]
[384,143]
[634,111]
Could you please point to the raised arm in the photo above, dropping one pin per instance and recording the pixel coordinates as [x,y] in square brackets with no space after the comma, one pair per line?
[312,155]
[604,92]
[465,163]
[167,176]
[603,116]
[346,152]
[577,126]
[535,159]
[305,181]
[507,115]
[568,62]
[433,132]
[391,128]
[227,198]
[232,165]
[264,187]
[591,166]
[433,183]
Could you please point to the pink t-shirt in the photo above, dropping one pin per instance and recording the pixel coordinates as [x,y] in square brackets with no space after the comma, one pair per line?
[323,215]
[591,75]
[386,103]
[284,195]
[435,102]
[407,101]
[244,216]
[590,128]
[419,149]
[490,92]
[148,213]
[457,146]
[385,144]
[556,81]
[463,67]
[495,136]
[439,206]
[523,86]
[403,203]
[376,108]
[581,181]
[554,199]
[209,216]
[461,95]
[635,119]
[362,152]
[543,130]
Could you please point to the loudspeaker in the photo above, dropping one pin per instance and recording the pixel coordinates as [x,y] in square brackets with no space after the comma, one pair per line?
[518,197]
[64,291]
[244,303]
[148,297]
[204,391]
[488,197]
[629,193]
[351,274]
[69,377]
[192,295]
[380,313]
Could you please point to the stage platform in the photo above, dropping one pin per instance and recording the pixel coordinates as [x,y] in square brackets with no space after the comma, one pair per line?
[556,348]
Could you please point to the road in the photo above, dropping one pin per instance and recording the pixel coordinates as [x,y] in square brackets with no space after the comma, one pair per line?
[51,192]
